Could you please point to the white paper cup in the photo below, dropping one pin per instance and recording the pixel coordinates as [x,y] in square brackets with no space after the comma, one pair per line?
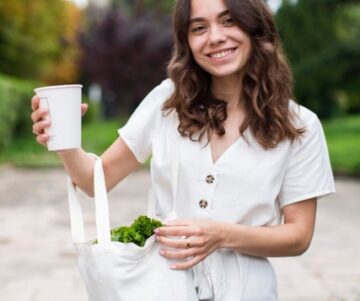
[64,105]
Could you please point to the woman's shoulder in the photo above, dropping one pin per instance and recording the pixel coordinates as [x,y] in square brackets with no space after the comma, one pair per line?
[150,108]
[154,100]
[167,86]
[161,92]
[303,117]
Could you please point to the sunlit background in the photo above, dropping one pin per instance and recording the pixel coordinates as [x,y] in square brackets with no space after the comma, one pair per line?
[118,51]
[273,4]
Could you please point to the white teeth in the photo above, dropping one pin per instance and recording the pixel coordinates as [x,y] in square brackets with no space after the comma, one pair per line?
[221,54]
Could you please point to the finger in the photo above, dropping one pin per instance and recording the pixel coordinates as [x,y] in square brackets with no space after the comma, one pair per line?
[39,114]
[177,231]
[171,242]
[171,231]
[39,127]
[180,243]
[177,254]
[179,222]
[42,139]
[181,254]
[189,263]
[35,102]
[84,108]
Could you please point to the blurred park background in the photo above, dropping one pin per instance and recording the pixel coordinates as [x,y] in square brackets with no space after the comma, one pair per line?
[118,49]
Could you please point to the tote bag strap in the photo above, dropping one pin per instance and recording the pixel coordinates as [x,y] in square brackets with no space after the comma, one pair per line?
[152,201]
[175,169]
[101,204]
[76,216]
[101,208]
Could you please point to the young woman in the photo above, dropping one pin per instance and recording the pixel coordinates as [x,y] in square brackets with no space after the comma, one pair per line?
[251,162]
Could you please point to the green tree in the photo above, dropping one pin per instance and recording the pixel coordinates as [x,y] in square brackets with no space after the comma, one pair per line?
[126,54]
[33,36]
[164,6]
[66,68]
[323,51]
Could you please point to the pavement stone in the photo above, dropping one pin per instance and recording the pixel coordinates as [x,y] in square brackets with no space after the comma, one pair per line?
[38,261]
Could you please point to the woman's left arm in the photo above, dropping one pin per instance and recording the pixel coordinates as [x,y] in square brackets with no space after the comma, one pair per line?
[291,238]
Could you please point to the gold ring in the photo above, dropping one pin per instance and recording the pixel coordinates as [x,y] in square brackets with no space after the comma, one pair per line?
[187,244]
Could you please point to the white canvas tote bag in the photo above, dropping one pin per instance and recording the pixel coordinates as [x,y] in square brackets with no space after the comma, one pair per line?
[114,271]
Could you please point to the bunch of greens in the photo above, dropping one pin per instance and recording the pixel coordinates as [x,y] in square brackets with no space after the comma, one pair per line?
[140,230]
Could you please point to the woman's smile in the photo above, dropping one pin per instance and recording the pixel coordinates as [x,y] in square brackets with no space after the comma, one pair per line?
[222,54]
[218,45]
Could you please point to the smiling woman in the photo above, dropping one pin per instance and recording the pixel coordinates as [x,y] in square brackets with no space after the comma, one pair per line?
[218,46]
[230,46]
[237,164]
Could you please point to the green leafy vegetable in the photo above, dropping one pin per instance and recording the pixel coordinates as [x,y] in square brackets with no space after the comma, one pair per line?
[140,230]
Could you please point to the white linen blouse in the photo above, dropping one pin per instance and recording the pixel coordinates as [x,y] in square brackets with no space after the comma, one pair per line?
[247,185]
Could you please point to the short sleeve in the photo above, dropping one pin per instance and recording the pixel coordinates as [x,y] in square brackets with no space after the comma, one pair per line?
[308,173]
[138,133]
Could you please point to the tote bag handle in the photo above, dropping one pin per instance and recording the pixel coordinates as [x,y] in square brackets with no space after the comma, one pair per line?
[175,163]
[101,208]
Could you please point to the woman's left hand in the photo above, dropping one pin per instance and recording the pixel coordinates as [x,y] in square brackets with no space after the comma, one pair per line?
[199,238]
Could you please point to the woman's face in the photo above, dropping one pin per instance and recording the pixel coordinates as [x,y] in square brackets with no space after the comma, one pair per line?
[218,45]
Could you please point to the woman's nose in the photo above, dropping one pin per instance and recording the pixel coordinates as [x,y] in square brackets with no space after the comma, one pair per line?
[216,35]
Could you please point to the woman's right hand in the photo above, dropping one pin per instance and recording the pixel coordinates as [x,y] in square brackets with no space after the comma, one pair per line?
[38,116]
[41,121]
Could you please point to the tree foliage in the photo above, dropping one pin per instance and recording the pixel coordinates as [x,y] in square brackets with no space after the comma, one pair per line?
[126,53]
[66,68]
[322,40]
[164,6]
[37,39]
[14,109]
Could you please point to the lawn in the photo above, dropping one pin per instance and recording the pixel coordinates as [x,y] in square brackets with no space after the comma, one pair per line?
[342,134]
[343,137]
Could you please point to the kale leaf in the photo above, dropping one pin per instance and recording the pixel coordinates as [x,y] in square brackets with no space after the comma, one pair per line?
[141,229]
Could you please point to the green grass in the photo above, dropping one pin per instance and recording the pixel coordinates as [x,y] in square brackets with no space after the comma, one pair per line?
[342,134]
[343,137]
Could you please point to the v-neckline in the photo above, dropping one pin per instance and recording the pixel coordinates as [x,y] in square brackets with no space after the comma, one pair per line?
[228,149]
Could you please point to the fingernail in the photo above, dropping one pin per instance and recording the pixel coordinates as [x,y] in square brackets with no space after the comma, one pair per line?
[156,231]
[162,252]
[174,266]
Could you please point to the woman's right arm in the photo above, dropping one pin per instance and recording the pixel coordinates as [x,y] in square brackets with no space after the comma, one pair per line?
[118,159]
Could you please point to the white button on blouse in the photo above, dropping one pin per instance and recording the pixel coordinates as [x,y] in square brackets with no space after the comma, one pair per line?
[246,185]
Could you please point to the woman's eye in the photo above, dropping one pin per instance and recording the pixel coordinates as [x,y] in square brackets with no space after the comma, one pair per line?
[197,29]
[229,21]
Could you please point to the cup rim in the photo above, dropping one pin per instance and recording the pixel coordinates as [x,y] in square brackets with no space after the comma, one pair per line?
[58,87]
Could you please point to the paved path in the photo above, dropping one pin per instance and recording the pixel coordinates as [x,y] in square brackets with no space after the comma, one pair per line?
[38,262]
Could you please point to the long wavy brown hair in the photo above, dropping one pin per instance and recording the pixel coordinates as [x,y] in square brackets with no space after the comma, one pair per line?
[267,81]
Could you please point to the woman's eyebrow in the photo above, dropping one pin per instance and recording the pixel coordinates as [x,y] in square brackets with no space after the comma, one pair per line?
[224,13]
[200,19]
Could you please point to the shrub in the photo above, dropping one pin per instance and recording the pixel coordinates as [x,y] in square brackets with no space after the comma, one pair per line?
[15,108]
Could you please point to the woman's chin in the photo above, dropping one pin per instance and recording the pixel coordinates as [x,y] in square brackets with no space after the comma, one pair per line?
[224,73]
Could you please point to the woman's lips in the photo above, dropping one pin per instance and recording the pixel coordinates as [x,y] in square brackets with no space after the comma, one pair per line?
[221,54]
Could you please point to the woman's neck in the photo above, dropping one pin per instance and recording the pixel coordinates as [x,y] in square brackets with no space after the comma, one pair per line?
[228,89]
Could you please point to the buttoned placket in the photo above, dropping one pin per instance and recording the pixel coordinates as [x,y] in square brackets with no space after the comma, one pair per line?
[208,181]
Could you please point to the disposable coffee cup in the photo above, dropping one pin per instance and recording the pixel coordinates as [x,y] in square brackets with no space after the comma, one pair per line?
[64,106]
